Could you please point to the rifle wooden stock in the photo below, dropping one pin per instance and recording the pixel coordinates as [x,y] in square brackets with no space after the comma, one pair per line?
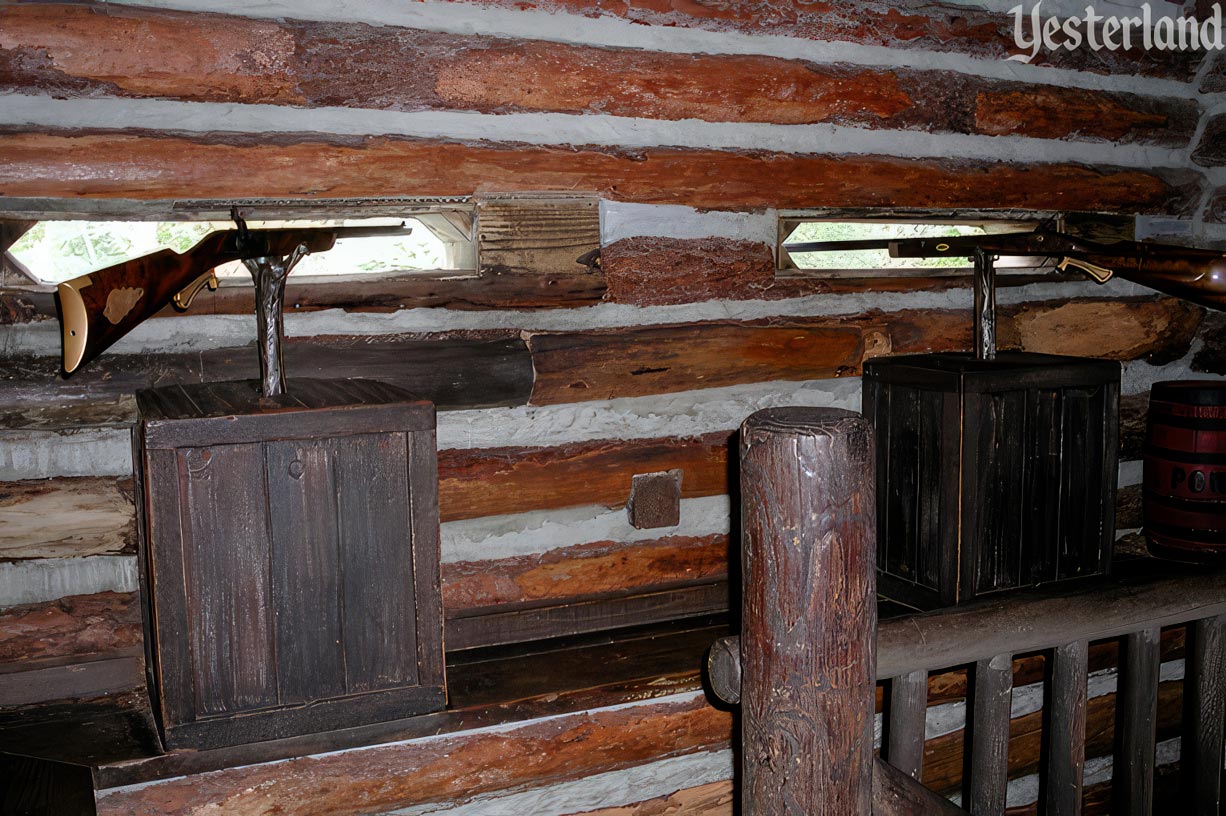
[99,308]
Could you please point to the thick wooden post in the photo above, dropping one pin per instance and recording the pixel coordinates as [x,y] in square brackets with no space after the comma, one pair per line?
[809,617]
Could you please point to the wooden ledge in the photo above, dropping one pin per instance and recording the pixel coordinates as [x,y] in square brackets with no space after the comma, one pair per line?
[116,742]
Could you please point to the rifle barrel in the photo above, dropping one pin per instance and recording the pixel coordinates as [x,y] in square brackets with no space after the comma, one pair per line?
[831,246]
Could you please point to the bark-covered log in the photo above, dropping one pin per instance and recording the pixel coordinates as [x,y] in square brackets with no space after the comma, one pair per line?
[143,166]
[909,24]
[496,481]
[645,271]
[602,568]
[70,50]
[75,626]
[463,766]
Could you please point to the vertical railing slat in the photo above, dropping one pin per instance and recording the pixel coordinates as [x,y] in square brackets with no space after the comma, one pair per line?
[1136,716]
[908,709]
[989,771]
[1204,699]
[1066,735]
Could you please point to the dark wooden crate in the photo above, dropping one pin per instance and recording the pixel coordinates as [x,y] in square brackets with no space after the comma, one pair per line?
[289,558]
[991,475]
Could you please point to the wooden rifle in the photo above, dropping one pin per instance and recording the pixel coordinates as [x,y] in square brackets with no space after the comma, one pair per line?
[99,308]
[1196,275]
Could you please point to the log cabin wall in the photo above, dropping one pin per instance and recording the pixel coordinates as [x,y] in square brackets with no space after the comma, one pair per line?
[693,125]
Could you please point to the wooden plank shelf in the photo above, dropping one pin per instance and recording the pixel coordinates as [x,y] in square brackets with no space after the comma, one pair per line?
[116,741]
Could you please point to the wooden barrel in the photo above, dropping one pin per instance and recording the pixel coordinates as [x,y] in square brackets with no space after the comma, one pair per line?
[1185,471]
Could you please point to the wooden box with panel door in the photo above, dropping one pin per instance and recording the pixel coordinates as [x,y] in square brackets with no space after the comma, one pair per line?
[289,558]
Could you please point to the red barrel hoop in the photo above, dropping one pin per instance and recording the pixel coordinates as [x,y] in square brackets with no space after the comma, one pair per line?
[1184,489]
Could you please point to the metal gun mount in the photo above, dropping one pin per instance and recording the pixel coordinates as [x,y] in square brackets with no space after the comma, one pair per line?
[269,274]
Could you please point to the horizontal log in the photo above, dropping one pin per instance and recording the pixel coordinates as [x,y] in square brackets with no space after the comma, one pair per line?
[607,364]
[910,24]
[712,799]
[459,767]
[67,517]
[70,627]
[1159,331]
[71,50]
[1165,596]
[646,271]
[450,373]
[138,165]
[602,568]
[575,367]
[410,291]
[76,516]
[951,685]
[39,689]
[497,481]
[497,626]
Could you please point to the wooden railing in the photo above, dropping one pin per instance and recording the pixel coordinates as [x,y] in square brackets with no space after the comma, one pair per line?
[804,669]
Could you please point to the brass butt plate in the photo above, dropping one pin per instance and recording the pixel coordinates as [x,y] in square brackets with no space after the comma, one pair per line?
[74,321]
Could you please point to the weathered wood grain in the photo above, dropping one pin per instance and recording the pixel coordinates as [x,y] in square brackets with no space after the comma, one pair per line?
[143,166]
[718,798]
[536,235]
[713,799]
[1066,737]
[75,626]
[991,695]
[574,367]
[905,732]
[74,50]
[943,755]
[445,769]
[603,568]
[898,794]
[926,26]
[66,517]
[490,482]
[91,515]
[634,361]
[525,623]
[1136,724]
[808,611]
[1159,330]
[648,270]
[506,290]
[1205,715]
[450,373]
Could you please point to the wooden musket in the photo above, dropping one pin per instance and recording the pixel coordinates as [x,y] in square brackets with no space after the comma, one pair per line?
[1195,275]
[99,308]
